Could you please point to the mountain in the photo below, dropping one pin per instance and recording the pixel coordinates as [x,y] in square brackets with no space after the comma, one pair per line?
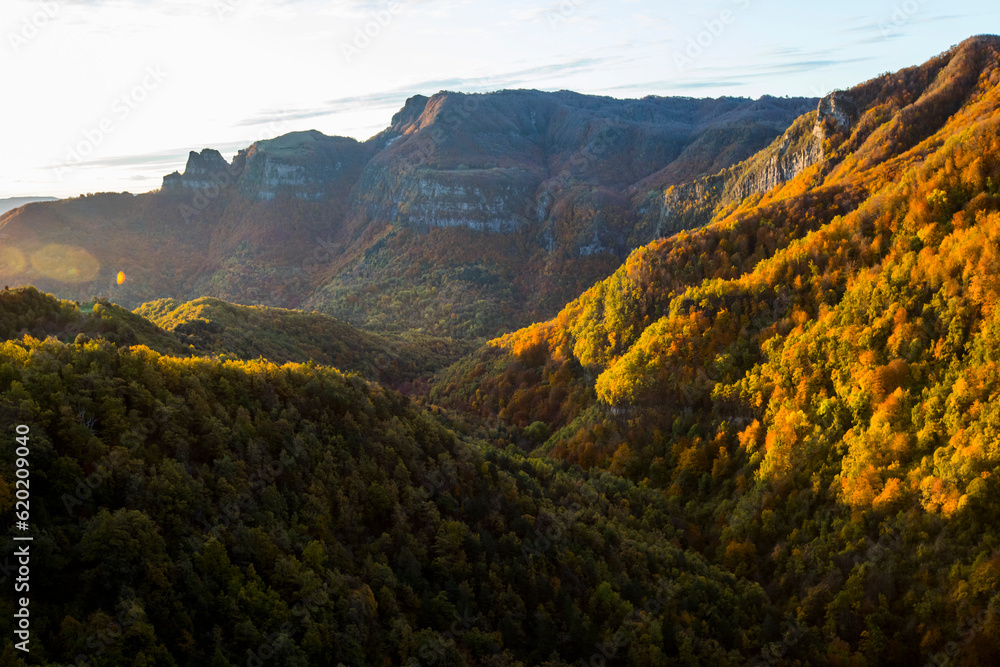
[11,203]
[467,216]
[768,436]
[811,376]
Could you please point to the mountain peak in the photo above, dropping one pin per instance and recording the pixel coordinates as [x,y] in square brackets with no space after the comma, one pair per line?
[981,40]
[202,169]
[410,112]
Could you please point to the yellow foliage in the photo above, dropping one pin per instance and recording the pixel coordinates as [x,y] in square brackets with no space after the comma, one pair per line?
[751,436]
[891,496]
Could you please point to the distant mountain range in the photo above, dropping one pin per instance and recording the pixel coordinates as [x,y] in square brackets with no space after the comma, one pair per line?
[468,215]
[11,203]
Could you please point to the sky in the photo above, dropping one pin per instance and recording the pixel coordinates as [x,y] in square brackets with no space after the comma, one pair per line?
[111,95]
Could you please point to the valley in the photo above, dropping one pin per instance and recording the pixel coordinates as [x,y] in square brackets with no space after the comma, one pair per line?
[528,379]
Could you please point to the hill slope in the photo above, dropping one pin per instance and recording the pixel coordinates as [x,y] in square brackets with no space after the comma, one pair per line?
[810,377]
[214,327]
[210,512]
[210,327]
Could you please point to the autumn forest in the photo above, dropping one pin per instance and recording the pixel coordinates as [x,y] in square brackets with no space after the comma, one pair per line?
[758,426]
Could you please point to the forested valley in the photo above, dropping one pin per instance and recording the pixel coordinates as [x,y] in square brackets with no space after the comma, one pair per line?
[773,438]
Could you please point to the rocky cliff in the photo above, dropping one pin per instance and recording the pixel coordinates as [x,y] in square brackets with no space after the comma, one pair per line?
[306,165]
[498,162]
[514,159]
[806,143]
[390,230]
[205,170]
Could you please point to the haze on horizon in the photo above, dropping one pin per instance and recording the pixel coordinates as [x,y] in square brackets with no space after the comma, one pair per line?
[112,94]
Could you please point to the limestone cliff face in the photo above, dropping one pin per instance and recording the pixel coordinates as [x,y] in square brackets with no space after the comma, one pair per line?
[690,205]
[204,170]
[503,161]
[455,160]
[483,199]
[305,165]
[838,111]
[803,145]
[798,149]
[521,159]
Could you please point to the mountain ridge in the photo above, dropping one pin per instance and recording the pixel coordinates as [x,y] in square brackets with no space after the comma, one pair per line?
[811,376]
[771,438]
[551,173]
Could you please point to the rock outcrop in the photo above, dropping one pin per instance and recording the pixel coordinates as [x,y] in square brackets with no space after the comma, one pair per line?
[203,171]
[801,146]
[305,165]
[514,159]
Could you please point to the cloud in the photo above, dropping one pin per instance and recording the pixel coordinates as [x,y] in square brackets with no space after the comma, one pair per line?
[395,98]
[165,159]
[890,26]
[770,63]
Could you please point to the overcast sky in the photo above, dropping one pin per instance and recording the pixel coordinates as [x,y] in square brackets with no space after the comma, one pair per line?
[110,95]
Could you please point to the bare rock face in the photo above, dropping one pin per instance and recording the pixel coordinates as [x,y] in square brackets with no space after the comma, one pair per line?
[788,157]
[837,113]
[502,161]
[516,159]
[803,145]
[473,198]
[797,150]
[303,165]
[203,171]
[690,205]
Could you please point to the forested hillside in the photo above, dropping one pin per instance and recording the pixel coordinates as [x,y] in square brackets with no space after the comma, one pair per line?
[195,511]
[210,327]
[811,375]
[769,439]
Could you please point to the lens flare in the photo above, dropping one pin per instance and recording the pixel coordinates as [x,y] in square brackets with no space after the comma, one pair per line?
[12,261]
[121,277]
[68,264]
